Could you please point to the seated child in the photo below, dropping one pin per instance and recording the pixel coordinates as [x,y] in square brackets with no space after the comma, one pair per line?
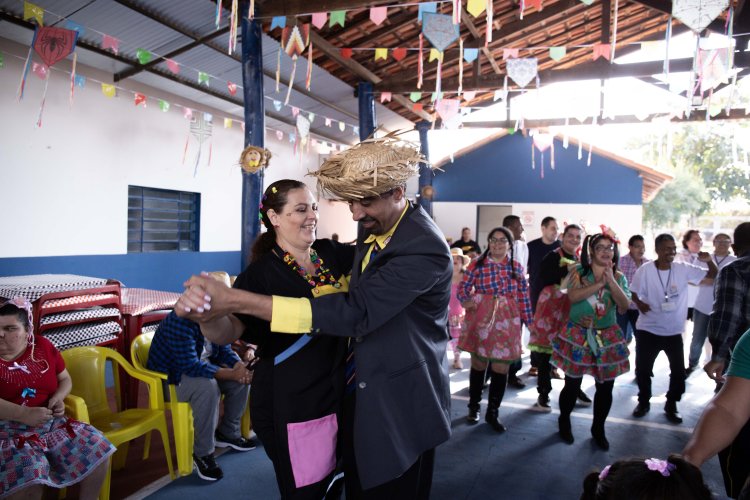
[649,479]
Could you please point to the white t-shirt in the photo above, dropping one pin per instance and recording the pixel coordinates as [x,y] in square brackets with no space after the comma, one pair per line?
[521,253]
[690,258]
[705,300]
[666,293]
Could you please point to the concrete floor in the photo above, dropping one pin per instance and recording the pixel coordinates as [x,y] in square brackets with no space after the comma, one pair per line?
[526,463]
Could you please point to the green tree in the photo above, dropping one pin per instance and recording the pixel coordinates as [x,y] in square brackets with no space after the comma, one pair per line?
[685,195]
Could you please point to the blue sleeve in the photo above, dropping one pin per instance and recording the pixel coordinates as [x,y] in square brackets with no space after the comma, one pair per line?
[224,355]
[183,339]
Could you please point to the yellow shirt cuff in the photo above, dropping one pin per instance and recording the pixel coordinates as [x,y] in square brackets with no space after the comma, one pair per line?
[291,315]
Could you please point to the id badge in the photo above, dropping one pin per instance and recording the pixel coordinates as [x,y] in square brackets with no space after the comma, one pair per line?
[668,306]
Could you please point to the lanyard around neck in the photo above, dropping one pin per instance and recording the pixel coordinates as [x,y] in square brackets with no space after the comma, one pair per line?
[669,277]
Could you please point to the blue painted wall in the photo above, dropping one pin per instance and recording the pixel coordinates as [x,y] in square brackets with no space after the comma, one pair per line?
[157,271]
[500,171]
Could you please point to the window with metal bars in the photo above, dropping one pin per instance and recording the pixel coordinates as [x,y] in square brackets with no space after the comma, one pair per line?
[161,220]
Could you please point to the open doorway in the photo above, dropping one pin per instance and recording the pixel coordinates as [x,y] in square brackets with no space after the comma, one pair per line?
[488,218]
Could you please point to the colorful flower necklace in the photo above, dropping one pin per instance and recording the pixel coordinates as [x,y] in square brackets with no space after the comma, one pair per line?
[323,275]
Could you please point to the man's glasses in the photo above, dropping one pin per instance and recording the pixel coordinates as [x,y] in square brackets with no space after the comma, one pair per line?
[723,242]
[498,240]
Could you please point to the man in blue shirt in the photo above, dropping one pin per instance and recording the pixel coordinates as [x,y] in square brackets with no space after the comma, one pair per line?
[203,371]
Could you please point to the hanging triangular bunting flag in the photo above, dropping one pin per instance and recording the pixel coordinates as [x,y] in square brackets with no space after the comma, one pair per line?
[436,96]
[415,96]
[203,78]
[426,7]
[381,53]
[32,11]
[277,105]
[163,105]
[399,53]
[557,53]
[587,2]
[295,111]
[108,90]
[698,14]
[328,122]
[346,53]
[337,17]
[522,71]
[499,94]
[355,131]
[435,54]
[543,141]
[476,7]
[143,56]
[111,43]
[80,81]
[279,134]
[292,137]
[139,98]
[439,30]
[469,95]
[227,123]
[311,117]
[470,54]
[319,19]
[417,107]
[342,126]
[378,14]
[510,54]
[278,22]
[187,113]
[601,50]
[385,97]
[532,3]
[173,66]
[52,53]
[447,108]
[232,87]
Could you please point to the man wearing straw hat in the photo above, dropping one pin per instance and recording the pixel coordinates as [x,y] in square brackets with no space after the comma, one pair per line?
[397,406]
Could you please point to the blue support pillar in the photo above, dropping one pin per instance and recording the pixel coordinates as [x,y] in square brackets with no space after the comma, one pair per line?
[366,110]
[425,172]
[252,82]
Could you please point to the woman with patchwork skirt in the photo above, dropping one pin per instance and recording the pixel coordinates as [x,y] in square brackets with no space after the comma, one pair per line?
[495,295]
[592,343]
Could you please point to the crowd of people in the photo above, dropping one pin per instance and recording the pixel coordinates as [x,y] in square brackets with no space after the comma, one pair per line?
[350,379]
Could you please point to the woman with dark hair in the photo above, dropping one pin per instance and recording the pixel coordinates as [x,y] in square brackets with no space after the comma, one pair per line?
[495,295]
[592,343]
[299,381]
[39,445]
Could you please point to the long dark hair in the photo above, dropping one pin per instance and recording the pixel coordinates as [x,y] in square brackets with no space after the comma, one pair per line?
[589,243]
[275,198]
[509,236]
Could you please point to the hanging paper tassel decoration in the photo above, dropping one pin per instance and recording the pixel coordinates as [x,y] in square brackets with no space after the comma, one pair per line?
[588,161]
[251,10]
[488,38]
[420,64]
[24,74]
[456,11]
[278,69]
[667,38]
[218,14]
[565,136]
[73,77]
[460,66]
[614,33]
[294,41]
[44,99]
[729,28]
[308,77]
[232,27]
[438,79]
[580,150]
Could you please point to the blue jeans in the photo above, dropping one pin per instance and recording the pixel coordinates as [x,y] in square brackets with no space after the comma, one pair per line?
[700,332]
[626,322]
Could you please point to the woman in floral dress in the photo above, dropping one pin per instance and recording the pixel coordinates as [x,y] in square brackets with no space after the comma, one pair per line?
[592,343]
[495,295]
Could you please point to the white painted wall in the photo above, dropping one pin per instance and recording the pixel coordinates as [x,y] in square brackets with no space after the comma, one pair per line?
[624,219]
[65,184]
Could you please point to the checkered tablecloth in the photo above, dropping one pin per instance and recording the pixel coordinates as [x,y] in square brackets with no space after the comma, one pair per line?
[91,341]
[136,301]
[75,334]
[80,315]
[77,299]
[35,285]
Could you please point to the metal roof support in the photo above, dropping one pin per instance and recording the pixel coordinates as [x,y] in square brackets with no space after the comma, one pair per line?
[252,79]
[366,110]
[425,172]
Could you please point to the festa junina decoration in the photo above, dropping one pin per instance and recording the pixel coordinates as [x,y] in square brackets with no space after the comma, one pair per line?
[254,158]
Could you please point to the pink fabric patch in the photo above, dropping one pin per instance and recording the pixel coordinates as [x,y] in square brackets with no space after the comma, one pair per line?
[312,449]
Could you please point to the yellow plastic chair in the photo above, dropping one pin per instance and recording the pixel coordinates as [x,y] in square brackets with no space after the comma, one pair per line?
[88,402]
[182,414]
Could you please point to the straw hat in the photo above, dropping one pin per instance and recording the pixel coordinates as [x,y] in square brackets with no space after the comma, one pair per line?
[254,158]
[370,168]
[457,252]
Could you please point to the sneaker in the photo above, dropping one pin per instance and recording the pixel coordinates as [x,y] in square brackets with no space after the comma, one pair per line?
[583,399]
[542,403]
[238,443]
[207,468]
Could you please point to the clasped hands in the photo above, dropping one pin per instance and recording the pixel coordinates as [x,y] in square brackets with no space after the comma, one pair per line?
[38,415]
[204,299]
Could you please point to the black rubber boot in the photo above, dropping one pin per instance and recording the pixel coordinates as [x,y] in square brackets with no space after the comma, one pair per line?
[476,381]
[498,382]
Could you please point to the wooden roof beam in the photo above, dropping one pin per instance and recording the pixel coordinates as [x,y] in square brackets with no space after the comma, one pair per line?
[665,7]
[478,37]
[273,8]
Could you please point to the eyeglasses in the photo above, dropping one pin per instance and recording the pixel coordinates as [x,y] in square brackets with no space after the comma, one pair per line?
[723,242]
[498,240]
[604,248]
